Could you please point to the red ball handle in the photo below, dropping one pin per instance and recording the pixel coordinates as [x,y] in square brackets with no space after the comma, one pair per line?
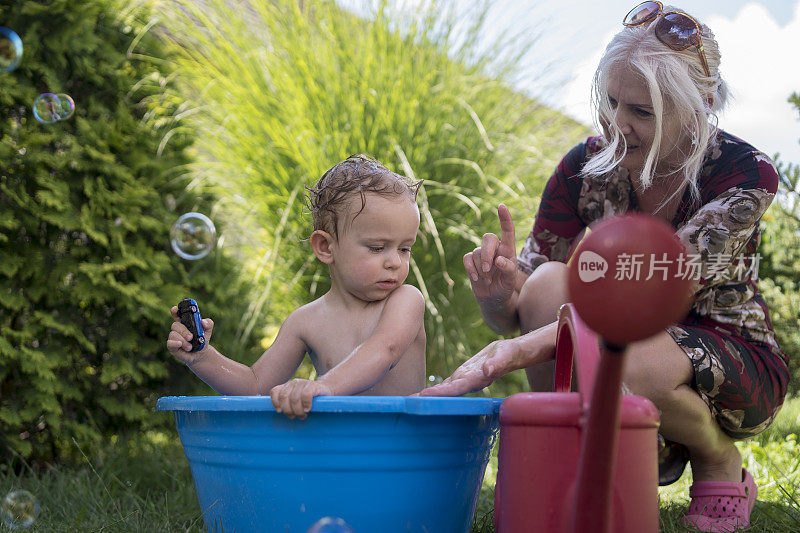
[627,278]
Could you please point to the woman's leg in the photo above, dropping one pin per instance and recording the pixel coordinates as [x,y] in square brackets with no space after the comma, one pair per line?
[540,298]
[659,369]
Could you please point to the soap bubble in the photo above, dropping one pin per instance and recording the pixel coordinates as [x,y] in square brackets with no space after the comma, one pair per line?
[66,106]
[330,524]
[49,107]
[10,49]
[46,108]
[193,236]
[19,509]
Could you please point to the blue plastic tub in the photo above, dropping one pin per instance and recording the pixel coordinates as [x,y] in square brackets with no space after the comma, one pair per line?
[384,464]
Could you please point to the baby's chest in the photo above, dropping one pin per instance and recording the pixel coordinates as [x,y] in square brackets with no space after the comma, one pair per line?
[329,344]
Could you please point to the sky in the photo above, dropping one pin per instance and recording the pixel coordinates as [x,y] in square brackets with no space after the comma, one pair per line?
[759,44]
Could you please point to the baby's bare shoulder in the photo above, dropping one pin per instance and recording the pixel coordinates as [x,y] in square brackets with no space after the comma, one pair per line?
[405,305]
[407,294]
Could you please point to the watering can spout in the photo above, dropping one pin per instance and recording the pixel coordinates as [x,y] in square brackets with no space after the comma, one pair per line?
[595,483]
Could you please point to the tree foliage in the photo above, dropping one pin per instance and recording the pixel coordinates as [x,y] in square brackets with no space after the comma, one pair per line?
[780,270]
[86,273]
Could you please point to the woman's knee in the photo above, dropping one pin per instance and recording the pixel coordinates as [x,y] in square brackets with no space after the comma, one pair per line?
[656,367]
[542,294]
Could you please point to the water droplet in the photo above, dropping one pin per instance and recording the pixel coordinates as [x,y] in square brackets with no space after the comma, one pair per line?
[193,236]
[46,108]
[10,49]
[19,509]
[330,524]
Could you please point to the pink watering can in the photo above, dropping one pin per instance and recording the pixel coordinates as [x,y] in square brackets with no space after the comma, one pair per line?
[585,461]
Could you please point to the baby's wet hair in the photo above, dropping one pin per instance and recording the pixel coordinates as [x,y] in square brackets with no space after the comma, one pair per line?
[358,174]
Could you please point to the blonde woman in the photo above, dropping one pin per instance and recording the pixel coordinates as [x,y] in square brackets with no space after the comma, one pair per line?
[716,376]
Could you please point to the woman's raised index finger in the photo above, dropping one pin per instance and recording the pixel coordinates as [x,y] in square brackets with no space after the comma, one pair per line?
[507,234]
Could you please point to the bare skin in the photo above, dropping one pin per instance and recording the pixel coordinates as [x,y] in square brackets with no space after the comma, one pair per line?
[365,336]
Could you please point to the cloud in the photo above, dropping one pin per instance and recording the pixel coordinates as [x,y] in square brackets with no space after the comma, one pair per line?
[759,64]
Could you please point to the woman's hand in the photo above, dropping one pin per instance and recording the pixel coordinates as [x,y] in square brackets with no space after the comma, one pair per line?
[492,267]
[497,359]
[294,398]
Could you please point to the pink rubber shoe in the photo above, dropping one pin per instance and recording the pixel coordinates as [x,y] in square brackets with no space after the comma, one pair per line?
[721,506]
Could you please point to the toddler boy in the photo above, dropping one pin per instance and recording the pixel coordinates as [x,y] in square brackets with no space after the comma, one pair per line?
[366,334]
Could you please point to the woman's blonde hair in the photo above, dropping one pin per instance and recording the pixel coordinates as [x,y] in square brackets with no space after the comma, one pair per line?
[677,82]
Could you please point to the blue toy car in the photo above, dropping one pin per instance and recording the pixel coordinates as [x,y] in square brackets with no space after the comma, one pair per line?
[189,315]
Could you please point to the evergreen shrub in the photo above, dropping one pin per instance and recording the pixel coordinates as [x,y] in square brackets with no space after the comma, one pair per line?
[780,262]
[87,276]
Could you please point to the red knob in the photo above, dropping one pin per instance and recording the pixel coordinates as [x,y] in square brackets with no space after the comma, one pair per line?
[627,278]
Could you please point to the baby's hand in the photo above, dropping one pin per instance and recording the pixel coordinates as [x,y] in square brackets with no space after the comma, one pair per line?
[178,342]
[294,397]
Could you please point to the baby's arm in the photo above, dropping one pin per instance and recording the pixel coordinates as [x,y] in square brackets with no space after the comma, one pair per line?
[275,366]
[400,323]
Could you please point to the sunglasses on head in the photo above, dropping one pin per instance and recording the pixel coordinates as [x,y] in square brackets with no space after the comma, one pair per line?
[677,30]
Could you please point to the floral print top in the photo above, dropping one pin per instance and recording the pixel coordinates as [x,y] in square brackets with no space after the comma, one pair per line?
[721,231]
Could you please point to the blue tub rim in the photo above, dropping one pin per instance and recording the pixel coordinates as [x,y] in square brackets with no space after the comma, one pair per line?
[412,405]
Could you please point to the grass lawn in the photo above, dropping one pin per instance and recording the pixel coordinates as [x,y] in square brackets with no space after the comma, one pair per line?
[144,484]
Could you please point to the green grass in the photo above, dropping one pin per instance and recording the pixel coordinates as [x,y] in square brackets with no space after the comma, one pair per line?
[144,484]
[773,458]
